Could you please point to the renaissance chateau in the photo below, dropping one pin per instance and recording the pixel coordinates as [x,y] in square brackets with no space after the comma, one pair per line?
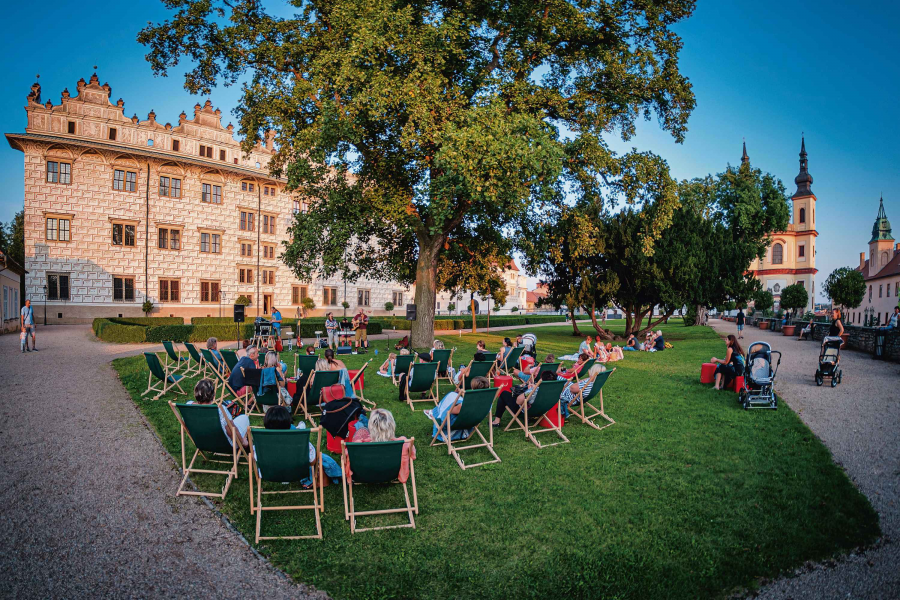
[791,257]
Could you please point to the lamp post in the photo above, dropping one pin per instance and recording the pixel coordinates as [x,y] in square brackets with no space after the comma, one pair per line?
[45,305]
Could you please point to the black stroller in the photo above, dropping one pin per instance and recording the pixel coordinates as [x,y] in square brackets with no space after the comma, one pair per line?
[759,377]
[829,360]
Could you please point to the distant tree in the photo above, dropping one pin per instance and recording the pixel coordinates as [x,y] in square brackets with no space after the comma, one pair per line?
[12,241]
[763,300]
[794,297]
[451,307]
[389,306]
[245,300]
[308,304]
[514,309]
[846,287]
[147,307]
[447,115]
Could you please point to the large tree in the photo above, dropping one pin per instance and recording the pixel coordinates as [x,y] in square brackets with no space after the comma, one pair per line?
[12,241]
[405,121]
[846,287]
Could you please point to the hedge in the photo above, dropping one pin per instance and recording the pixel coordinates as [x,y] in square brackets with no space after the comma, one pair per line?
[151,321]
[110,331]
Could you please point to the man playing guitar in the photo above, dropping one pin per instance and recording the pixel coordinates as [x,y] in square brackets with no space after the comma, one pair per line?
[360,324]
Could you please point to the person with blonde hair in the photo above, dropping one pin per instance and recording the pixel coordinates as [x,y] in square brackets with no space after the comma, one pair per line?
[387,367]
[567,398]
[382,428]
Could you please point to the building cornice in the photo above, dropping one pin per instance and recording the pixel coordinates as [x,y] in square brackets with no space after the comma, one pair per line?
[15,139]
[808,271]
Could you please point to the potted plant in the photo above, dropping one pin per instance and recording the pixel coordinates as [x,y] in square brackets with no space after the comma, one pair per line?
[345,305]
[763,301]
[147,307]
[245,300]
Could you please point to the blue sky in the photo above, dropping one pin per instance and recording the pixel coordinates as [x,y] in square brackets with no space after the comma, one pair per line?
[764,71]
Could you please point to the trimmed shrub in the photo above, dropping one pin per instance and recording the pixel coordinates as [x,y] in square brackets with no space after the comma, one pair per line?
[223,331]
[148,321]
[444,324]
[535,319]
[119,333]
[174,333]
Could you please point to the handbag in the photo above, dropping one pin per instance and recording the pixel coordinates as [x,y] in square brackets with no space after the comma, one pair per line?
[234,409]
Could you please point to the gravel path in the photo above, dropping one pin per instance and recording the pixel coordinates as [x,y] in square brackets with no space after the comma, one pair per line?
[859,422]
[88,492]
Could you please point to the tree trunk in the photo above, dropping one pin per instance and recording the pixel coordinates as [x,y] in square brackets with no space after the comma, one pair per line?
[575,330]
[650,326]
[601,333]
[421,334]
[472,311]
[701,313]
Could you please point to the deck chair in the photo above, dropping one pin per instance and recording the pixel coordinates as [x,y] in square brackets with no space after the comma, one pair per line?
[510,360]
[231,359]
[200,422]
[444,358]
[212,363]
[361,394]
[262,401]
[578,410]
[281,456]
[313,391]
[304,365]
[477,368]
[476,407]
[422,379]
[376,462]
[175,356]
[552,367]
[197,369]
[401,366]
[545,395]
[581,375]
[490,356]
[165,381]
[217,368]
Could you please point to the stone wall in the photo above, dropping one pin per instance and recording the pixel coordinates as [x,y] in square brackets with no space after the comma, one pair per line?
[863,339]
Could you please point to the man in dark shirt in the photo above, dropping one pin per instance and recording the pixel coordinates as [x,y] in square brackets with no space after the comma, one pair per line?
[740,323]
[237,380]
[659,344]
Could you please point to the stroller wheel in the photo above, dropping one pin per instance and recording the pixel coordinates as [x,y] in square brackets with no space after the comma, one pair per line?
[834,380]
[819,379]
[840,376]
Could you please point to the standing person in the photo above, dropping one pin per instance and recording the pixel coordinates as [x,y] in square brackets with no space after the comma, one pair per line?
[837,328]
[361,323]
[276,322]
[28,327]
[740,323]
[331,326]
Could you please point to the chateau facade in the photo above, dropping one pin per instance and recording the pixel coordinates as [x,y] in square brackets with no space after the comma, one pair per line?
[120,210]
[791,256]
[881,270]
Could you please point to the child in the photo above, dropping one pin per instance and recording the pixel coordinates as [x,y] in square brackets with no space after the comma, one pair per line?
[387,368]
[310,350]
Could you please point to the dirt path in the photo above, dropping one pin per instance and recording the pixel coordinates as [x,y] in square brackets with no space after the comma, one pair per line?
[859,422]
[88,493]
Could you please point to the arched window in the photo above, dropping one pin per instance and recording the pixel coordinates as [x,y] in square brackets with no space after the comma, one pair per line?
[884,258]
[777,254]
[870,293]
[803,215]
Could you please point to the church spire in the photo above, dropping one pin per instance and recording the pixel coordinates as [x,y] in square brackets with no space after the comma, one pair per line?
[803,179]
[745,159]
[881,229]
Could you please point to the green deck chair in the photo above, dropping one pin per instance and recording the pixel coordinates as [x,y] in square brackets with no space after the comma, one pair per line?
[477,368]
[552,367]
[217,370]
[231,359]
[304,365]
[490,356]
[378,463]
[583,401]
[197,369]
[282,456]
[360,393]
[545,395]
[175,356]
[313,391]
[164,380]
[422,379]
[582,373]
[261,402]
[444,358]
[401,366]
[510,361]
[213,363]
[200,422]
[476,407]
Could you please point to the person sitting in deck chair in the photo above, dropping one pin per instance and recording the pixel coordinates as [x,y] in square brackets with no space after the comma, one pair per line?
[517,397]
[387,367]
[573,388]
[528,374]
[452,403]
[212,344]
[279,417]
[277,374]
[576,368]
[464,370]
[382,428]
[249,361]
[205,393]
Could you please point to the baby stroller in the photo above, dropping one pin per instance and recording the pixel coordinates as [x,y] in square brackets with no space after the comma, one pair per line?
[829,359]
[759,377]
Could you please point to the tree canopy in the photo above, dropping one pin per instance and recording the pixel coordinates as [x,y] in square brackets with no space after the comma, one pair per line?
[409,123]
[846,287]
[793,297]
[763,300]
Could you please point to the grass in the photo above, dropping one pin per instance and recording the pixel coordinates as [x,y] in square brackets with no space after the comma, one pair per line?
[686,496]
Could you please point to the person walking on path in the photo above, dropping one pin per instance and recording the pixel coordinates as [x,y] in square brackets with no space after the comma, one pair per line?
[740,323]
[28,327]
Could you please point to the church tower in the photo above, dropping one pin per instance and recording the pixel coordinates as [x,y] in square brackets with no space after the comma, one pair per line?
[804,226]
[881,246]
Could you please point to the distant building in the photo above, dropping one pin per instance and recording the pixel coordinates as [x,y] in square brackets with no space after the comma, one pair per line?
[11,276]
[516,296]
[791,255]
[882,273]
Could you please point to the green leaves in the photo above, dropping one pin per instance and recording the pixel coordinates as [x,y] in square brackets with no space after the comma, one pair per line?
[846,287]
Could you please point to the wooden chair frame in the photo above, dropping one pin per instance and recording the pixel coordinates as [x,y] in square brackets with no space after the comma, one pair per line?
[395,377]
[504,367]
[237,451]
[350,512]
[432,390]
[531,432]
[175,356]
[222,379]
[449,366]
[361,393]
[162,386]
[318,505]
[454,449]
[579,409]
[194,354]
[584,369]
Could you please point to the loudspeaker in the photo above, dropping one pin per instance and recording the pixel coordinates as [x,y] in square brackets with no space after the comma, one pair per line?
[238,313]
[345,350]
[410,312]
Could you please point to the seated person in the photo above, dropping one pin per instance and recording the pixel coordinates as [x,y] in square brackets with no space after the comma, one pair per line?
[382,428]
[205,393]
[212,344]
[614,352]
[576,368]
[807,331]
[659,344]
[519,342]
[427,356]
[242,351]
[515,399]
[600,352]
[648,343]
[279,417]
[310,350]
[568,397]
[248,361]
[277,377]
[387,367]
[460,376]
[587,347]
[480,346]
[452,404]
[330,363]
[630,344]
[527,374]
[505,349]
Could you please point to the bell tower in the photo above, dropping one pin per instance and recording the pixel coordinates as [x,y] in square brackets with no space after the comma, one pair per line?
[804,226]
[881,246]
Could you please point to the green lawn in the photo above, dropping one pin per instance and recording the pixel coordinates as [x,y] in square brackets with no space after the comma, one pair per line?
[686,496]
